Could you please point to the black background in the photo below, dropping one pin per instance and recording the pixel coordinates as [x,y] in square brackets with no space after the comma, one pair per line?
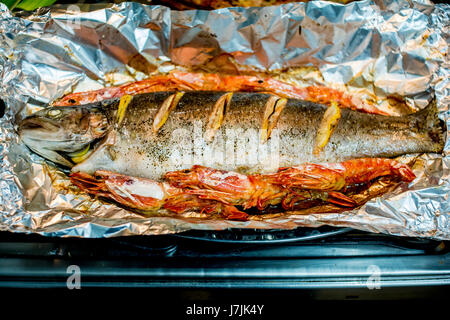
[173,303]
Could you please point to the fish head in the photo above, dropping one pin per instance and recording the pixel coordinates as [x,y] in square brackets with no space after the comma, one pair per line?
[56,132]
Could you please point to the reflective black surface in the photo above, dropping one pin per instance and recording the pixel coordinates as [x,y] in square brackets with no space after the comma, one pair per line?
[261,236]
[342,261]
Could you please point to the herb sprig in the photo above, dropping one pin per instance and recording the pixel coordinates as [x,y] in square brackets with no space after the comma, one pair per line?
[27,4]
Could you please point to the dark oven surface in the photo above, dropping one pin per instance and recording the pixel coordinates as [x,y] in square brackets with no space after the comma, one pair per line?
[340,258]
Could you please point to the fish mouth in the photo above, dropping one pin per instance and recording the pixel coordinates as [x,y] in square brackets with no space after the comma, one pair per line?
[36,131]
[33,124]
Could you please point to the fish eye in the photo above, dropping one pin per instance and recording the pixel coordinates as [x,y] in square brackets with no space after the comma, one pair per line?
[54,113]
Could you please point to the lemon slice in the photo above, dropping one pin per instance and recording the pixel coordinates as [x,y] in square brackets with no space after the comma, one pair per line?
[326,128]
[81,155]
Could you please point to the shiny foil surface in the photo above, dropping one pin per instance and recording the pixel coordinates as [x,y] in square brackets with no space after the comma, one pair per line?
[383,51]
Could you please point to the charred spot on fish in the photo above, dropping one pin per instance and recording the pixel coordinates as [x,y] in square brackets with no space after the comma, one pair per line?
[72,101]
[332,145]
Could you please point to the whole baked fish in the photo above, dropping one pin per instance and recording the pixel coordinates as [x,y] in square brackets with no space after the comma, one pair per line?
[150,134]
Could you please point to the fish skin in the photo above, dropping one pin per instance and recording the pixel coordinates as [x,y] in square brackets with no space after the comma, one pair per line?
[195,81]
[134,149]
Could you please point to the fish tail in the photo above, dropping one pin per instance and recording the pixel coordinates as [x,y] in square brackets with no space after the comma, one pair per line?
[428,121]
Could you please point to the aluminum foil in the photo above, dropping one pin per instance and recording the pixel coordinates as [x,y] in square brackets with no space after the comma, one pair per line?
[385,51]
